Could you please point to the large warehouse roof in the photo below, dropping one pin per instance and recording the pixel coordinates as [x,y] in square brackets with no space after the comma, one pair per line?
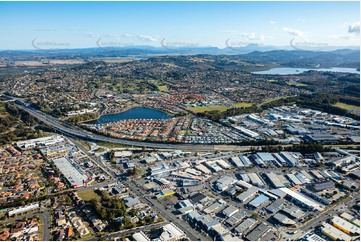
[303,199]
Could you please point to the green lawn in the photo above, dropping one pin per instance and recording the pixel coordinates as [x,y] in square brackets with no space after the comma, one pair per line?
[88,195]
[242,105]
[83,143]
[111,145]
[209,108]
[346,106]
[101,149]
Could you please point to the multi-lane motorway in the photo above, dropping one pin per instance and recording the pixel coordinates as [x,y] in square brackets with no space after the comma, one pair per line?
[81,133]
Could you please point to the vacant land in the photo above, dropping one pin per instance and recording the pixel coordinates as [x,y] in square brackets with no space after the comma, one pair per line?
[210,108]
[271,100]
[296,84]
[88,195]
[242,105]
[347,106]
[163,88]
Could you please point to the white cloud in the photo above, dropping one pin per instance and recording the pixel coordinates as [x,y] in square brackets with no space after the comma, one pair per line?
[253,36]
[294,32]
[354,28]
[272,22]
[148,38]
[301,20]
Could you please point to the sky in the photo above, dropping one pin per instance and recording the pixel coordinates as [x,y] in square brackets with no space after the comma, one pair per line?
[46,25]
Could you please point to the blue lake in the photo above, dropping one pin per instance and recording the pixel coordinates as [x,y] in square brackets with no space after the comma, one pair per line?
[290,70]
[134,113]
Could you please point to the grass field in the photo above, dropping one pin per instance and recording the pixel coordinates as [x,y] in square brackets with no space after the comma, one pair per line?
[296,84]
[271,100]
[242,105]
[347,106]
[272,80]
[112,145]
[211,108]
[163,88]
[88,195]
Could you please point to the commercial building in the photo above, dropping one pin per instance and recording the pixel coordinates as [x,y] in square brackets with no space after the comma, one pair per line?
[293,212]
[342,161]
[212,208]
[345,226]
[246,162]
[258,201]
[212,165]
[247,194]
[244,184]
[302,200]
[255,179]
[266,157]
[318,157]
[245,226]
[316,174]
[350,219]
[229,211]
[165,193]
[280,159]
[40,142]
[236,218]
[334,233]
[293,179]
[322,138]
[224,182]
[316,196]
[275,206]
[273,178]
[72,173]
[171,233]
[140,236]
[289,158]
[236,161]
[203,169]
[223,164]
[247,132]
[283,219]
[257,233]
[314,237]
[321,186]
[258,161]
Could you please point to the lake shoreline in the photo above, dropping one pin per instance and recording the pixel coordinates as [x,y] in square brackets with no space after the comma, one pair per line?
[126,110]
[295,71]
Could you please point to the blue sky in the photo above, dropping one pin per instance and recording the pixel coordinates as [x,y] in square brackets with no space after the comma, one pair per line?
[92,24]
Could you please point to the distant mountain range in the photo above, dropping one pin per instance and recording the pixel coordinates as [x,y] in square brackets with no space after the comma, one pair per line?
[152,50]
[285,56]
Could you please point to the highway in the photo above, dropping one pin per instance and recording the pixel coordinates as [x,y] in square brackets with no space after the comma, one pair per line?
[81,133]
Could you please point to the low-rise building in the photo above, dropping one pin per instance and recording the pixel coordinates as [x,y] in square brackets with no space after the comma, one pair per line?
[257,233]
[243,197]
[345,226]
[229,211]
[334,233]
[140,236]
[245,226]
